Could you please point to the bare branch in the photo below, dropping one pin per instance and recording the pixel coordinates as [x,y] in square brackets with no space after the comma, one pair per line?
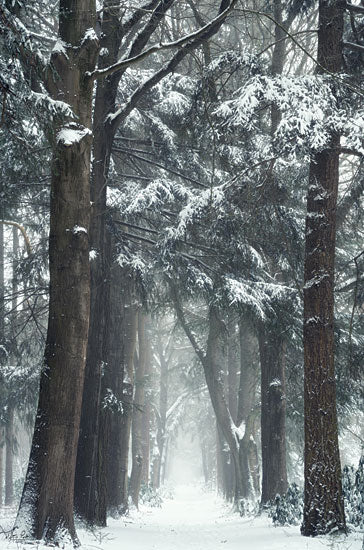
[195,37]
[354,8]
[353,46]
[154,163]
[23,232]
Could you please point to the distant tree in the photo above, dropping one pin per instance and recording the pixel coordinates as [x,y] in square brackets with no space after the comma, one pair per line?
[138,417]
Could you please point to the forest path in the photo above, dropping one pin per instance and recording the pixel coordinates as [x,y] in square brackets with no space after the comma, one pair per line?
[196,520]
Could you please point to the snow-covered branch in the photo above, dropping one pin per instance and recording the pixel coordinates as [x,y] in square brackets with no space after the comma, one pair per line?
[195,37]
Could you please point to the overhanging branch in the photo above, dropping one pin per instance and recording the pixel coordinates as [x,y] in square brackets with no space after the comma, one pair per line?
[188,39]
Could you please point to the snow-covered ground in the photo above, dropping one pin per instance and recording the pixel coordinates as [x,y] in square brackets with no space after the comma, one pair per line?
[196,520]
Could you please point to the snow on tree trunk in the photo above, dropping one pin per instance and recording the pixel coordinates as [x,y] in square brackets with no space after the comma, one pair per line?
[46,507]
[90,488]
[323,506]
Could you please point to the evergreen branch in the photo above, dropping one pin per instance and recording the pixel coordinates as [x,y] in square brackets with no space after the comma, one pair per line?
[290,35]
[199,38]
[29,58]
[154,163]
[182,319]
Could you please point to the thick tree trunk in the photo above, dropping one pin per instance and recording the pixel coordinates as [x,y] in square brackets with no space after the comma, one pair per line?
[323,507]
[272,350]
[90,495]
[138,412]
[46,507]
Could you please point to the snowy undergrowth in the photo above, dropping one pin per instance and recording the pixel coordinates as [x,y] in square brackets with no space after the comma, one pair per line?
[195,520]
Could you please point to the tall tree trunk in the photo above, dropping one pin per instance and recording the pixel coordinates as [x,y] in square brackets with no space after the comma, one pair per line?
[88,490]
[161,419]
[121,348]
[246,402]
[138,412]
[1,464]
[215,384]
[2,345]
[9,430]
[46,507]
[146,428]
[90,497]
[9,438]
[3,351]
[273,414]
[323,506]
[233,368]
[271,346]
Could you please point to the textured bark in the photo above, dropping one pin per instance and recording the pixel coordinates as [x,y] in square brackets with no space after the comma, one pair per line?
[90,497]
[46,507]
[323,506]
[88,491]
[272,350]
[138,412]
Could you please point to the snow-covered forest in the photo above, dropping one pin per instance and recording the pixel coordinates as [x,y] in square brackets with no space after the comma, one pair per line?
[181,274]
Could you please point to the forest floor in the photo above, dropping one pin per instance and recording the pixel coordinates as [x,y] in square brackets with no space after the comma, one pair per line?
[193,520]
